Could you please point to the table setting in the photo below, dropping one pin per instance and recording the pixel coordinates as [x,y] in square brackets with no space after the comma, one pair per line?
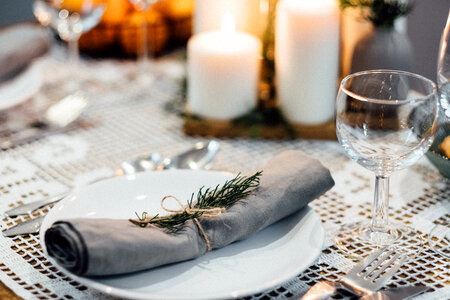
[238,161]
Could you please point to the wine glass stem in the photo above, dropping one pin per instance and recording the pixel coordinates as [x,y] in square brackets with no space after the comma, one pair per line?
[143,53]
[74,55]
[380,205]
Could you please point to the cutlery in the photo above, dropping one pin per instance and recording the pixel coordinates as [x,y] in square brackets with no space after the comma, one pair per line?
[365,278]
[30,207]
[27,227]
[190,159]
[400,293]
[200,156]
[57,117]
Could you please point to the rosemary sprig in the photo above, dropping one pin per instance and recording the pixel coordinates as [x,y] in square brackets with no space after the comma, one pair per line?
[219,197]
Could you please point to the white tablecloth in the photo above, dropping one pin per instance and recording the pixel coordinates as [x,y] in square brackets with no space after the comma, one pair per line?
[127,118]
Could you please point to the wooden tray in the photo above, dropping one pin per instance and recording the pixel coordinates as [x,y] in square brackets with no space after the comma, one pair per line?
[195,126]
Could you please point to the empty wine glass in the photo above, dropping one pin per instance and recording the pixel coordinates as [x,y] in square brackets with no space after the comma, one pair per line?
[439,236]
[143,61]
[443,76]
[385,120]
[70,19]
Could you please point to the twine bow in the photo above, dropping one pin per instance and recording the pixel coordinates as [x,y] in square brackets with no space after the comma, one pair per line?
[212,212]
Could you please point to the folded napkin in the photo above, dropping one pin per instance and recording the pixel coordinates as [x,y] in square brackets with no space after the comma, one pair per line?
[19,45]
[288,183]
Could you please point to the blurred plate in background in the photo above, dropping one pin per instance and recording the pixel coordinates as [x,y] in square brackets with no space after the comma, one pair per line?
[20,88]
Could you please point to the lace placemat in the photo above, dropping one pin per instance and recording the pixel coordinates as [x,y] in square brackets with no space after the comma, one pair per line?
[127,118]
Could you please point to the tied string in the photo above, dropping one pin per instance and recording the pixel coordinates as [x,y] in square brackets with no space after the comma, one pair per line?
[212,212]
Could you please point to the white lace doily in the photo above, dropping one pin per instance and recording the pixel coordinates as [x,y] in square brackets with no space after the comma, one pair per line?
[126,119]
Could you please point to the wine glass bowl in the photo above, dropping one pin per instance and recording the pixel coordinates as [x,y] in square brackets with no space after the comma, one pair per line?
[443,73]
[385,128]
[70,19]
[385,120]
[436,155]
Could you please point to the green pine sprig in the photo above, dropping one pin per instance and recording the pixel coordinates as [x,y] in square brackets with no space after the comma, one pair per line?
[219,197]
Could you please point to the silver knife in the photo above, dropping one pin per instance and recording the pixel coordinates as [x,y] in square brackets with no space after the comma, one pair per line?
[30,207]
[27,227]
[400,293]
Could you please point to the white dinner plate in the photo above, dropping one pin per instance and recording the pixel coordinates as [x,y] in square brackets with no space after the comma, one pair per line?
[20,88]
[262,261]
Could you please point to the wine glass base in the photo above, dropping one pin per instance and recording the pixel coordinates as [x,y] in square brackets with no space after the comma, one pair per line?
[357,239]
[439,240]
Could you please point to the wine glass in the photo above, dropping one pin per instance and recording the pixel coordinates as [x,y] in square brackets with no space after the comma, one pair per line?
[385,120]
[143,61]
[439,236]
[444,72]
[70,19]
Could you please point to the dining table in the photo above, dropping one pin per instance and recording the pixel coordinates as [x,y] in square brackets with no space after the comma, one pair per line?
[127,117]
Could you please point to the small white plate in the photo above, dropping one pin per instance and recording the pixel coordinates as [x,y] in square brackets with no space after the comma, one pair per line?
[266,259]
[20,88]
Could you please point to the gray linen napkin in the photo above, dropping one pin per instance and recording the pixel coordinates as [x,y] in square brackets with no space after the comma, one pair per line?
[288,183]
[19,45]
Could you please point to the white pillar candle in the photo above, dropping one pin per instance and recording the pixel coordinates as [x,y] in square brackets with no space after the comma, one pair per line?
[307,59]
[208,15]
[223,73]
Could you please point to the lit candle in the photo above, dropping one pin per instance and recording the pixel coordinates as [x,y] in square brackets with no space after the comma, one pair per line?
[223,70]
[307,59]
[208,14]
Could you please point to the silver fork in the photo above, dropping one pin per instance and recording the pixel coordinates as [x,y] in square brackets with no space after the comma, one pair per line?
[366,277]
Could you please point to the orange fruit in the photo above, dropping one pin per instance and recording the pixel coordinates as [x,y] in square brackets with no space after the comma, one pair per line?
[175,9]
[77,5]
[116,11]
